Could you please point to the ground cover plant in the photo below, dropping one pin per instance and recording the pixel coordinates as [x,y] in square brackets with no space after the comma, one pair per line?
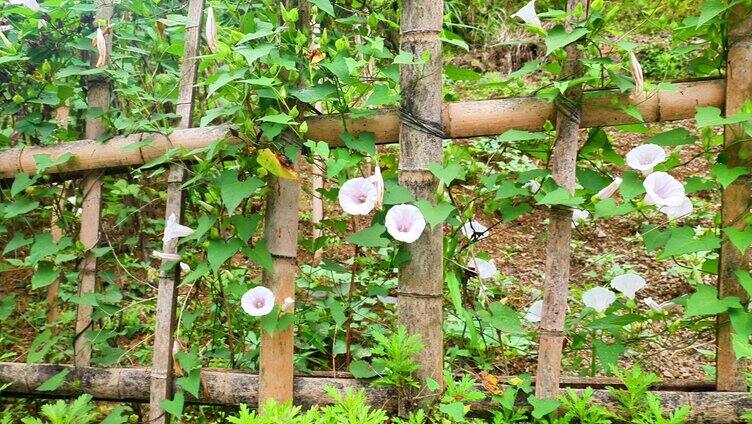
[646,223]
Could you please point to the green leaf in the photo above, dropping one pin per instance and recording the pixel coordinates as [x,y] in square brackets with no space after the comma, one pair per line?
[44,161]
[20,183]
[45,275]
[704,301]
[44,247]
[461,74]
[434,215]
[682,241]
[19,207]
[18,241]
[745,279]
[337,309]
[382,95]
[54,382]
[675,137]
[192,382]
[395,194]
[726,176]
[455,410]
[219,251]
[504,319]
[245,226]
[175,406]
[325,6]
[631,185]
[361,369]
[315,93]
[253,54]
[608,354]
[712,8]
[116,416]
[542,407]
[364,143]
[261,256]
[453,171]
[517,135]
[558,37]
[710,116]
[234,191]
[369,237]
[7,306]
[560,196]
[742,239]
[608,208]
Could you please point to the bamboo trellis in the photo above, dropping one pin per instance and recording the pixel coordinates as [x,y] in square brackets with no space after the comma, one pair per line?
[420,26]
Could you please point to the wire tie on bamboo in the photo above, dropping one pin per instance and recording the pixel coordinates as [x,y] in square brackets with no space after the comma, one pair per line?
[419,295]
[552,333]
[425,126]
[277,256]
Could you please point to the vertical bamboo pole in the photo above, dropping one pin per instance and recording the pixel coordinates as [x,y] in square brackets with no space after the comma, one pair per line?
[57,234]
[421,280]
[164,331]
[556,285]
[317,202]
[281,235]
[735,201]
[91,214]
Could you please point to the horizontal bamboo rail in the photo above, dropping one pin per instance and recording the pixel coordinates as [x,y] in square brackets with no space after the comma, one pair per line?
[461,120]
[232,387]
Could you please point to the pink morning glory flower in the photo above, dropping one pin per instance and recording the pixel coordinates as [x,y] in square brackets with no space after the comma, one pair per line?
[645,157]
[661,189]
[358,196]
[258,301]
[404,222]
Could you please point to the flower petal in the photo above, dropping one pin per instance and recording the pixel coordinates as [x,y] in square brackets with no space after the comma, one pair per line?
[534,311]
[661,189]
[358,196]
[258,301]
[610,189]
[628,284]
[405,223]
[645,157]
[378,181]
[210,30]
[527,14]
[475,231]
[484,269]
[677,212]
[174,230]
[598,298]
[169,257]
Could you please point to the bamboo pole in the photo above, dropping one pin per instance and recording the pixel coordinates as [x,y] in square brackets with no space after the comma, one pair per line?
[164,333]
[53,311]
[421,280]
[232,387]
[460,120]
[317,202]
[98,97]
[735,200]
[556,285]
[281,234]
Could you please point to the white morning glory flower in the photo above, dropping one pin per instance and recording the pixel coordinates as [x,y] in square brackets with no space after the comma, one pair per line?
[475,231]
[676,212]
[598,298]
[169,257]
[657,307]
[533,185]
[610,189]
[29,4]
[404,222]
[579,216]
[378,182]
[184,267]
[258,301]
[636,74]
[645,157]
[101,44]
[210,30]
[484,269]
[174,230]
[358,196]
[661,189]
[288,304]
[628,284]
[534,311]
[527,14]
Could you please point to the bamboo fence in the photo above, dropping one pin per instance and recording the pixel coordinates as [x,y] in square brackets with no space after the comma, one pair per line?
[421,281]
